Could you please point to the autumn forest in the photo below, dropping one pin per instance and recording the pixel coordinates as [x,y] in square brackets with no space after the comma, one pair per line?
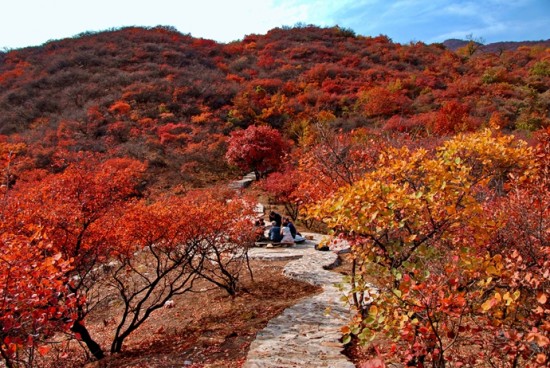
[432,163]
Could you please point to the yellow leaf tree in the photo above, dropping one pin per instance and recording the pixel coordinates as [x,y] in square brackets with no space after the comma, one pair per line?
[418,222]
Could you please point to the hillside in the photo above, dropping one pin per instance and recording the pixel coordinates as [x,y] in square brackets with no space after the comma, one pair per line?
[170,100]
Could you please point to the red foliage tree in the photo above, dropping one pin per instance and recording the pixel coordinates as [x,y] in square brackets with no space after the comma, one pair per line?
[78,209]
[87,215]
[281,186]
[380,101]
[453,118]
[120,107]
[34,300]
[257,148]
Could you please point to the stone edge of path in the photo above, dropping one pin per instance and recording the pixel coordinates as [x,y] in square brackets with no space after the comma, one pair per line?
[306,334]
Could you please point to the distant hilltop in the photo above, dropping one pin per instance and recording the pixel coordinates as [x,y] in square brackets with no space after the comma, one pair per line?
[497,47]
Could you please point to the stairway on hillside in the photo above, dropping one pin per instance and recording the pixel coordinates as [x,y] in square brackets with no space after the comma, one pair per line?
[245,182]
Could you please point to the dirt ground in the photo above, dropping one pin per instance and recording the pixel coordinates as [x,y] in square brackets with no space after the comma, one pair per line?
[206,329]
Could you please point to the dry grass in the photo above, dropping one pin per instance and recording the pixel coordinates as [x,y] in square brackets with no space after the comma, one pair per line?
[204,329]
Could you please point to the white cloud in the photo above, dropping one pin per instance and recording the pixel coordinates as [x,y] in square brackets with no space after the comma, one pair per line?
[469,10]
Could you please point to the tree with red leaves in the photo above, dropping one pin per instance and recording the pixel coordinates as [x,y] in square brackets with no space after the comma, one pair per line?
[34,300]
[257,148]
[77,211]
[281,187]
[94,241]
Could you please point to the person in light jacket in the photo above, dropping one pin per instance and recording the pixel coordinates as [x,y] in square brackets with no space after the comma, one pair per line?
[287,236]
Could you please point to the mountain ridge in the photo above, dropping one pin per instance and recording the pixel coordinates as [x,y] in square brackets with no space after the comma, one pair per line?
[455,44]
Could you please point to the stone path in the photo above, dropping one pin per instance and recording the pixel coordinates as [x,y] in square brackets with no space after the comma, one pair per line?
[308,333]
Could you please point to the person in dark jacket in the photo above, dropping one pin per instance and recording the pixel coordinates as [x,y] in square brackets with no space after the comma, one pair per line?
[274,216]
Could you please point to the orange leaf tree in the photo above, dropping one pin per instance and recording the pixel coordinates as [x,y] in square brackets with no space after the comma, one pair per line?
[227,235]
[523,241]
[203,234]
[141,252]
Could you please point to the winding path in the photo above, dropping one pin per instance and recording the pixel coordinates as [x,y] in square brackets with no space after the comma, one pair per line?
[306,334]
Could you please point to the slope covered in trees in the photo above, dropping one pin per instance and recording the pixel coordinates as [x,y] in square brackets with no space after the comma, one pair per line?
[171,100]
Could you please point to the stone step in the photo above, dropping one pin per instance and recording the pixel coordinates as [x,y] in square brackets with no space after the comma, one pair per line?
[240,184]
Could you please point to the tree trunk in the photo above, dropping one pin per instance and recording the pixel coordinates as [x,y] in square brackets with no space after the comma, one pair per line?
[93,346]
[116,347]
[7,360]
[118,341]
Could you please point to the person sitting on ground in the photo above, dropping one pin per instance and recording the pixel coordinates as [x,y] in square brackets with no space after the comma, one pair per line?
[286,236]
[293,231]
[298,238]
[275,234]
[274,216]
[259,226]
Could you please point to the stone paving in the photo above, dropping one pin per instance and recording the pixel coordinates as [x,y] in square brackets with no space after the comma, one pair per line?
[308,333]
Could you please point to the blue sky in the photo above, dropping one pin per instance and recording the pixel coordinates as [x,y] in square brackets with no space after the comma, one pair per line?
[33,22]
